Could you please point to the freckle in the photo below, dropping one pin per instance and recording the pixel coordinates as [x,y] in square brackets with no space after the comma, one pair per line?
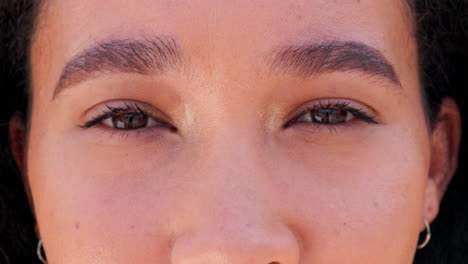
[132,227]
[77,225]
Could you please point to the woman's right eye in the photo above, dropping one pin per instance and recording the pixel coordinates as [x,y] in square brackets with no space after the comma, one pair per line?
[130,117]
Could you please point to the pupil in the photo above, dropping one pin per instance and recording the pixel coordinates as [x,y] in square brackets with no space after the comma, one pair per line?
[129,121]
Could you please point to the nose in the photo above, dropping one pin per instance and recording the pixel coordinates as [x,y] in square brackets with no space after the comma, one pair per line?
[237,241]
[233,220]
[233,217]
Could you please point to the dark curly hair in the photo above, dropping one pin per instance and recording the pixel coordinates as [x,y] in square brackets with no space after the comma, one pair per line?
[441,30]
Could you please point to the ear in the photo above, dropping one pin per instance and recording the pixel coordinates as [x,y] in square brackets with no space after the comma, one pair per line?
[445,142]
[17,134]
[18,137]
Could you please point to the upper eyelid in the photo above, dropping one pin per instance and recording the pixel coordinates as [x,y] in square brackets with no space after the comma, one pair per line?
[101,108]
[343,103]
[331,102]
[127,109]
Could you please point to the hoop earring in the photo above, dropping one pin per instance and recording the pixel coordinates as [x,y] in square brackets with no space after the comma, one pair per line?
[428,235]
[39,252]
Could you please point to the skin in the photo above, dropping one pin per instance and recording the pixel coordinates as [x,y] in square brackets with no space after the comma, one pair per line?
[231,184]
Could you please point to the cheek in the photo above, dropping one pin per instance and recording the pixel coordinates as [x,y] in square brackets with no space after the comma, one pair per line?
[94,201]
[363,196]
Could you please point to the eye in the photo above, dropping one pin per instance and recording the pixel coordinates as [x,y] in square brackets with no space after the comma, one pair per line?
[130,117]
[332,114]
[326,116]
[129,121]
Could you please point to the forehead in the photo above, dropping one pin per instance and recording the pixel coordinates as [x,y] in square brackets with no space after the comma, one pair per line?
[220,33]
[227,20]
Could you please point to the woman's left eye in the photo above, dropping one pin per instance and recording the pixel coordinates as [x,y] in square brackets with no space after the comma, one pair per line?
[331,113]
[326,116]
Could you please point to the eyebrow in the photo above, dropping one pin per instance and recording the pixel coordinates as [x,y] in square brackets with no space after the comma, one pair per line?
[143,56]
[160,54]
[331,56]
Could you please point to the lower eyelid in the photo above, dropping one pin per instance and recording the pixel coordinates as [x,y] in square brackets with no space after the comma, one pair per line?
[117,136]
[314,128]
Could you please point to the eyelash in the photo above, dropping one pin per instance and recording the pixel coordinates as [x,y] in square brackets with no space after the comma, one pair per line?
[128,109]
[329,105]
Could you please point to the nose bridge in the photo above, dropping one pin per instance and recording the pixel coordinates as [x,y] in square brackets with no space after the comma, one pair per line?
[232,163]
[232,140]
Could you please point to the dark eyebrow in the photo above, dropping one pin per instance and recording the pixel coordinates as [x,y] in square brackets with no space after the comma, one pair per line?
[142,56]
[313,58]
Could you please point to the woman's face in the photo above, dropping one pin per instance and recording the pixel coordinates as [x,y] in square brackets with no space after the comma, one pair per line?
[227,132]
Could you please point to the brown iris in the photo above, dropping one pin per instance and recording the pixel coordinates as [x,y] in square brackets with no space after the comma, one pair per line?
[130,121]
[329,116]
